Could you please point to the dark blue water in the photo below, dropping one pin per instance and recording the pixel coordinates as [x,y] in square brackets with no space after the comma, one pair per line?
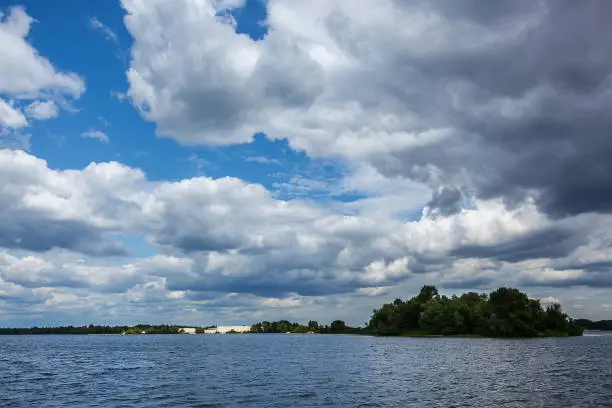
[303,371]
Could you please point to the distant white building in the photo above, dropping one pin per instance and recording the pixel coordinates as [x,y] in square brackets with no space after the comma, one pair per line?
[187,330]
[227,329]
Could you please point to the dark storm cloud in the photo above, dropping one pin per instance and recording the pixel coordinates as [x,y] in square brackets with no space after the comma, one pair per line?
[533,113]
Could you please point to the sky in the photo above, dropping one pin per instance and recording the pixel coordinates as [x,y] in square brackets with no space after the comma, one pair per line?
[228,161]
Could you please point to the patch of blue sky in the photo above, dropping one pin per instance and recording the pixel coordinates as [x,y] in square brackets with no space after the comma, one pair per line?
[250,19]
[288,173]
[137,245]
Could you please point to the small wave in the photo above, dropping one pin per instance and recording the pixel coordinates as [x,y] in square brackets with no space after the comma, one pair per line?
[128,366]
[305,395]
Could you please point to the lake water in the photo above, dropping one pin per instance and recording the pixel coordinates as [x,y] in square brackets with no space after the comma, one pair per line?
[303,371]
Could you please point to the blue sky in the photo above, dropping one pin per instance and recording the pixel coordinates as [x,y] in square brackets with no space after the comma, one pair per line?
[222,161]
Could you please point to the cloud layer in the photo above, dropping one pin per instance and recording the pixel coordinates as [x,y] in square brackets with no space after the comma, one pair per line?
[65,232]
[476,134]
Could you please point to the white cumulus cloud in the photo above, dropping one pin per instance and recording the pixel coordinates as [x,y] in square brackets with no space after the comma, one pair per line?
[42,110]
[23,72]
[96,134]
[11,117]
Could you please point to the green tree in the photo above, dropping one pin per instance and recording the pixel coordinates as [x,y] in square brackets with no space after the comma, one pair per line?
[427,293]
[313,326]
[337,326]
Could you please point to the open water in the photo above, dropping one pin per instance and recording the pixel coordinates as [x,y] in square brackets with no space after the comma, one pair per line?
[303,371]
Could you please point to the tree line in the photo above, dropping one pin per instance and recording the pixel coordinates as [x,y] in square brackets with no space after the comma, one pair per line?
[282,326]
[597,325]
[97,329]
[285,326]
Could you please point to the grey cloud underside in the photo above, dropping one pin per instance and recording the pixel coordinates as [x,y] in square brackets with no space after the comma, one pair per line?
[487,13]
[277,271]
[35,234]
[446,201]
[595,267]
[558,142]
[274,284]
[18,300]
[470,283]
[549,243]
[205,241]
[601,279]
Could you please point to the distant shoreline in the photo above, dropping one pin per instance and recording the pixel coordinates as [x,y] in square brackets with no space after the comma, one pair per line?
[504,313]
[587,333]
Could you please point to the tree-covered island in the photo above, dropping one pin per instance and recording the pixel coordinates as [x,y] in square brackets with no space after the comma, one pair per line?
[505,312]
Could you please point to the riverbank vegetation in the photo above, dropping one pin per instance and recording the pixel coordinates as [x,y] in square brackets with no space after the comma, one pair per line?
[605,325]
[284,326]
[95,329]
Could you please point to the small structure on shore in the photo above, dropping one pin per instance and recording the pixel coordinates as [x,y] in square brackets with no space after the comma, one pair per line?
[187,330]
[227,329]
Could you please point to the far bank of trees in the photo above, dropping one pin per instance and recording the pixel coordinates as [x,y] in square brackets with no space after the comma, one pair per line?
[505,312]
[598,325]
[95,329]
[284,326]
